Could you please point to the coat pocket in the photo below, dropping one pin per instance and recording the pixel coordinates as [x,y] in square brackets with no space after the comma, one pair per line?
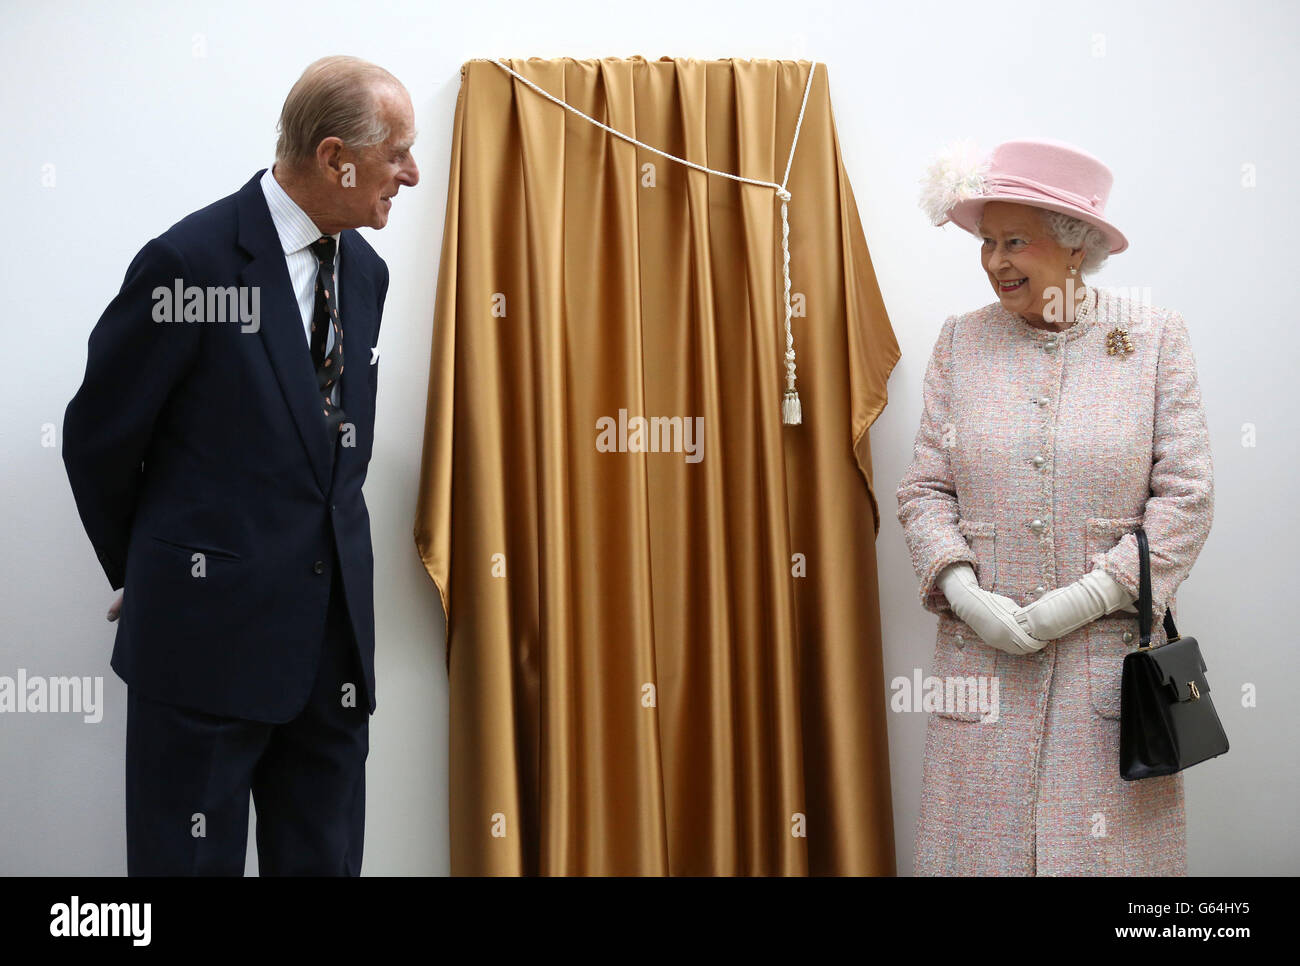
[1100,534]
[191,549]
[964,665]
[1108,640]
[981,536]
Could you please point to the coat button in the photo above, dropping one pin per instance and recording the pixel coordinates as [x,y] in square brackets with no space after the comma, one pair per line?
[318,567]
[960,640]
[1039,460]
[1049,346]
[1128,636]
[1040,589]
[1036,525]
[1041,400]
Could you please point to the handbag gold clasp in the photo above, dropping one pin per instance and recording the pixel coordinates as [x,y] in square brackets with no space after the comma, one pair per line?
[1153,643]
[1193,690]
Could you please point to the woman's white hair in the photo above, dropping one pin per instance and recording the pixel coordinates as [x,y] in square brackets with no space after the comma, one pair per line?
[1071,232]
[334,97]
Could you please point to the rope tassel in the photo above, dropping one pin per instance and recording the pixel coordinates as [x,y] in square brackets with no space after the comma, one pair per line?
[791,409]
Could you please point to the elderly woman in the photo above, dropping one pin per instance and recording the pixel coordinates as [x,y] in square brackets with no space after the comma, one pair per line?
[1056,420]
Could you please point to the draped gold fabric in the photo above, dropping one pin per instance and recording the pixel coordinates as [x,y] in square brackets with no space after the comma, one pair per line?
[659,664]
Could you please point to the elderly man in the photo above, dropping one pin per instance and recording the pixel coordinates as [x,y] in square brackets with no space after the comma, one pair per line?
[216,450]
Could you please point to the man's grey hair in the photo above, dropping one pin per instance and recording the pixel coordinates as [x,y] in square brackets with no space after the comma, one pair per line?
[1071,232]
[335,97]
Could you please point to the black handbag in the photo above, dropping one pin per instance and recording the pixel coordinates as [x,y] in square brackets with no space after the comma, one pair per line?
[1167,721]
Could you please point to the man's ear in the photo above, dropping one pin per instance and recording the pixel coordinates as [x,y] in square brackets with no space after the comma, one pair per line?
[329,157]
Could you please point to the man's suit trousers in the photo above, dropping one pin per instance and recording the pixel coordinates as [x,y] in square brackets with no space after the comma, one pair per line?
[189,775]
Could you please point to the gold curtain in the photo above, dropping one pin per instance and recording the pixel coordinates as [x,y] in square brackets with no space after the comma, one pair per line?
[659,664]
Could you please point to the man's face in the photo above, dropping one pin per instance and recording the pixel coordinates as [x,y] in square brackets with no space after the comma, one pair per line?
[382,168]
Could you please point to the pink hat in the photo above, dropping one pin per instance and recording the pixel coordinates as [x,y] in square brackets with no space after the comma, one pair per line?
[1039,172]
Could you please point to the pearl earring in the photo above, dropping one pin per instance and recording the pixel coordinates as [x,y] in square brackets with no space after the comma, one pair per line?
[1073,270]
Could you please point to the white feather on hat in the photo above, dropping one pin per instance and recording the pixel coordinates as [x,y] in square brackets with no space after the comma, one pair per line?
[956,174]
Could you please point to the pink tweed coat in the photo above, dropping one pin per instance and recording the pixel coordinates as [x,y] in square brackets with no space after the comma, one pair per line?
[1037,455]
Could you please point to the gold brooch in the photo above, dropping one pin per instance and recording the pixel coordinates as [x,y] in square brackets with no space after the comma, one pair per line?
[1117,342]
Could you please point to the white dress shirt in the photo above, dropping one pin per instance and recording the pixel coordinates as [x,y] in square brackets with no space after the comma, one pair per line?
[297,233]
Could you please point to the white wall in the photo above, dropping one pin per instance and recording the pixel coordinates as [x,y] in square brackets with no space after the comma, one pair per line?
[1176,97]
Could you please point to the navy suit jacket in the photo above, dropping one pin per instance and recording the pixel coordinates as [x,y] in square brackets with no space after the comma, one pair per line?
[201,438]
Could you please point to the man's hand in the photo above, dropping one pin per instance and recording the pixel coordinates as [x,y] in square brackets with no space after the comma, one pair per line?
[992,616]
[115,608]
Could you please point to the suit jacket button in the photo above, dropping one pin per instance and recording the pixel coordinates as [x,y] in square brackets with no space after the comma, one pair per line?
[318,566]
[1128,636]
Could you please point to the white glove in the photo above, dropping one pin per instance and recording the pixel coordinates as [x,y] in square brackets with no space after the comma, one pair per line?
[990,615]
[1060,611]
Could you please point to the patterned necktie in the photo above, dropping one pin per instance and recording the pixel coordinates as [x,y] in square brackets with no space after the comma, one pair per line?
[329,367]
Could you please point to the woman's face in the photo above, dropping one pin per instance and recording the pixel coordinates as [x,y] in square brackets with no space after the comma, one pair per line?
[1023,261]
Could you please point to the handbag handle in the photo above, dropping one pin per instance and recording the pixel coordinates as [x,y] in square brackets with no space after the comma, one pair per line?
[1144,595]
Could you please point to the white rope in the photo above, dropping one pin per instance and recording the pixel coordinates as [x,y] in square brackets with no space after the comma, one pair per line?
[791,410]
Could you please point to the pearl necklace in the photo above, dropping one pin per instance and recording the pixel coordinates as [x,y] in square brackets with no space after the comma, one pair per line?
[1082,311]
[1081,314]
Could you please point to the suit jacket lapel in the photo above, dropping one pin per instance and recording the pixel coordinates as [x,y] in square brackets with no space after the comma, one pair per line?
[356,315]
[280,327]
